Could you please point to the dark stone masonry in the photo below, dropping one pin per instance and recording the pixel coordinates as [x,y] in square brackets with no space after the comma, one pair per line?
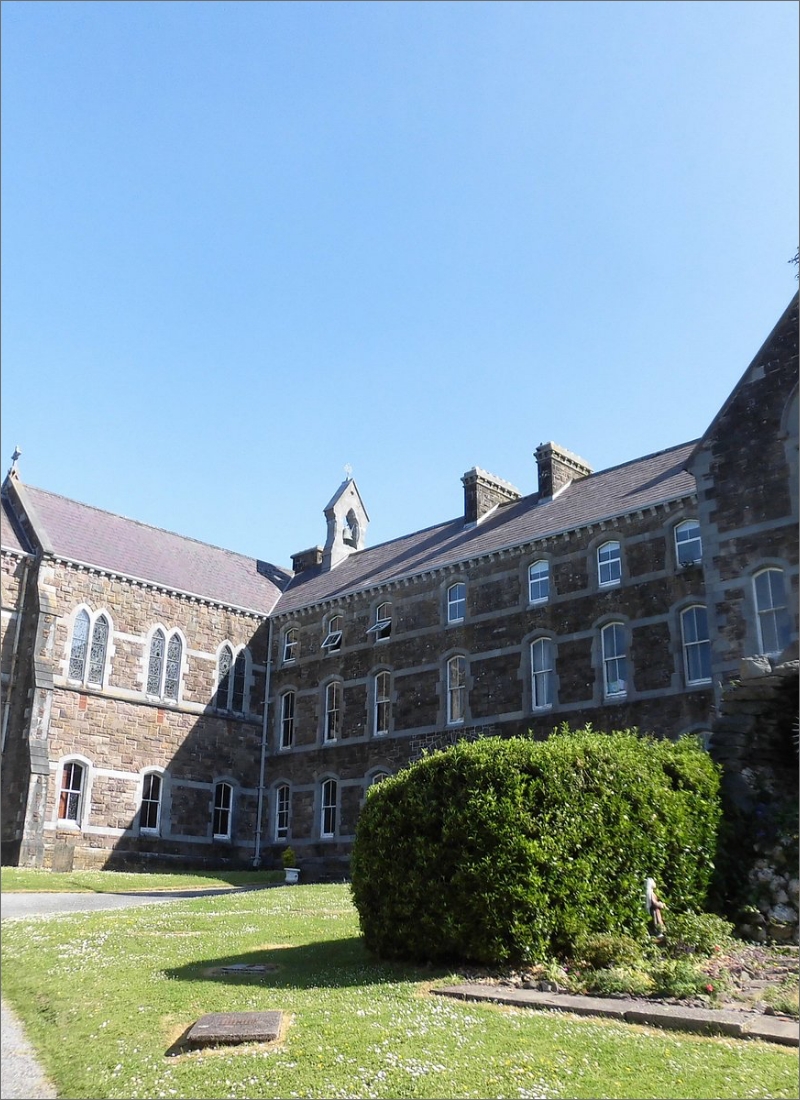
[169,703]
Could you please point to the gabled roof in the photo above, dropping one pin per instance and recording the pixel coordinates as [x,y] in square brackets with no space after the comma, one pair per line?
[785,331]
[10,537]
[642,483]
[81,533]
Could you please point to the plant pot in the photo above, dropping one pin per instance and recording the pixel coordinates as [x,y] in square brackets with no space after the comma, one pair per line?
[292,874]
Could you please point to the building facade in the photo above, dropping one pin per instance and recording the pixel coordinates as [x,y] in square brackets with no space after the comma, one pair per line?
[168,700]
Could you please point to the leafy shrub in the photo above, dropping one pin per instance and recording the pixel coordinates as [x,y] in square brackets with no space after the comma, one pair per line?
[601,950]
[288,858]
[696,933]
[619,979]
[681,978]
[500,851]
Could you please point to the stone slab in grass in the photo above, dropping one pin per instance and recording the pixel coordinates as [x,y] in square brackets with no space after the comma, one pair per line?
[228,1028]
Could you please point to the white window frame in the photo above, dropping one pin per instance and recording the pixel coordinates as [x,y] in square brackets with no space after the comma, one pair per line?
[774,611]
[456,690]
[288,708]
[382,702]
[542,677]
[609,564]
[332,727]
[457,602]
[615,659]
[382,627]
[329,797]
[687,534]
[538,578]
[333,637]
[78,793]
[219,808]
[146,799]
[694,646]
[290,645]
[282,808]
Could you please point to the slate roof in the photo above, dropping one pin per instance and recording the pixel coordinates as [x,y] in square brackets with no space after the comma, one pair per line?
[606,494]
[10,538]
[79,532]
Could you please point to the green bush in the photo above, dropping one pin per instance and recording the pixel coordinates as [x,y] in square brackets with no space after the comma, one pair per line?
[619,979]
[681,978]
[506,851]
[602,950]
[696,933]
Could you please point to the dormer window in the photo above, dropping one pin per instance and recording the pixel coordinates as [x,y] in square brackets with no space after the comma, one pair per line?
[382,627]
[333,637]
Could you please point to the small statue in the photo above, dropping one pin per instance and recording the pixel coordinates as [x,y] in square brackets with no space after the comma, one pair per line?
[654,906]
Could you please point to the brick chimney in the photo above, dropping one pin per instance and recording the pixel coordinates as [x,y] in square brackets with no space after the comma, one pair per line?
[557,468]
[483,492]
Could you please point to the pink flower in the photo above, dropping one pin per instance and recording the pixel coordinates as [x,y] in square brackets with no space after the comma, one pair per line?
[709,989]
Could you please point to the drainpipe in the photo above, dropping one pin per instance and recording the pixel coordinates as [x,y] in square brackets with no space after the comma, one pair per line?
[264,731]
[12,672]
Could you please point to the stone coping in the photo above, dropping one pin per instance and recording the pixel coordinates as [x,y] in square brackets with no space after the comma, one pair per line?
[709,1021]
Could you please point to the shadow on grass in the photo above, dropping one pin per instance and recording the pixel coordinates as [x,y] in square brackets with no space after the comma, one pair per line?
[328,963]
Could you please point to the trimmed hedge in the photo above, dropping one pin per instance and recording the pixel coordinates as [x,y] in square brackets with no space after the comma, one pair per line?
[504,851]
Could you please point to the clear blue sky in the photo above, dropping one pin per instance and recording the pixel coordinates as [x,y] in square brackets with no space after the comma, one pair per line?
[245,244]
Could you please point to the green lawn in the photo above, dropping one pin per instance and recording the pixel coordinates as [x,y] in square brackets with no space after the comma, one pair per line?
[106,996]
[112,882]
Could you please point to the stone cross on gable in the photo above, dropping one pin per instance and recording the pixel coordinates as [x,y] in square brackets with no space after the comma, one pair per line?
[348,471]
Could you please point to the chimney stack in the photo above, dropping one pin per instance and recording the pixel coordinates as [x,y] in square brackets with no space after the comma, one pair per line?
[483,492]
[557,468]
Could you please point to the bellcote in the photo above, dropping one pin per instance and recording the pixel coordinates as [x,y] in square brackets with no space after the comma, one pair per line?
[347,525]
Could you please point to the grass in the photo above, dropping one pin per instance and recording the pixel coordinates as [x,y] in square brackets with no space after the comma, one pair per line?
[18,879]
[106,997]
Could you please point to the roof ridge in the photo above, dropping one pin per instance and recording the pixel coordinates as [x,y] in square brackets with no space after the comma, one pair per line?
[152,526]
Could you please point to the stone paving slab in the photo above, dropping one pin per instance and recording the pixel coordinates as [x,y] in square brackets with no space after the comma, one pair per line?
[226,1028]
[709,1021]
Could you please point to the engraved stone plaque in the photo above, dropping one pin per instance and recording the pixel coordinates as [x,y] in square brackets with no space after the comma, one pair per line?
[235,1027]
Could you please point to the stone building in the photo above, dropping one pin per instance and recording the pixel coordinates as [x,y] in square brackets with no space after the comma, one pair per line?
[136,663]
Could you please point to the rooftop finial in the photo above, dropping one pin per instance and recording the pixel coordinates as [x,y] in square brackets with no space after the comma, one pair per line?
[14,459]
[348,471]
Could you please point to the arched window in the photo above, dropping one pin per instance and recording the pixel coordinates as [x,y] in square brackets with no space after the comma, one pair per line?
[688,543]
[70,797]
[223,807]
[383,702]
[609,564]
[87,661]
[231,680]
[772,612]
[696,645]
[282,811]
[164,666]
[328,800]
[539,582]
[333,711]
[614,660]
[287,719]
[290,645]
[333,637]
[456,690]
[378,777]
[150,809]
[382,627]
[542,673]
[456,602]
